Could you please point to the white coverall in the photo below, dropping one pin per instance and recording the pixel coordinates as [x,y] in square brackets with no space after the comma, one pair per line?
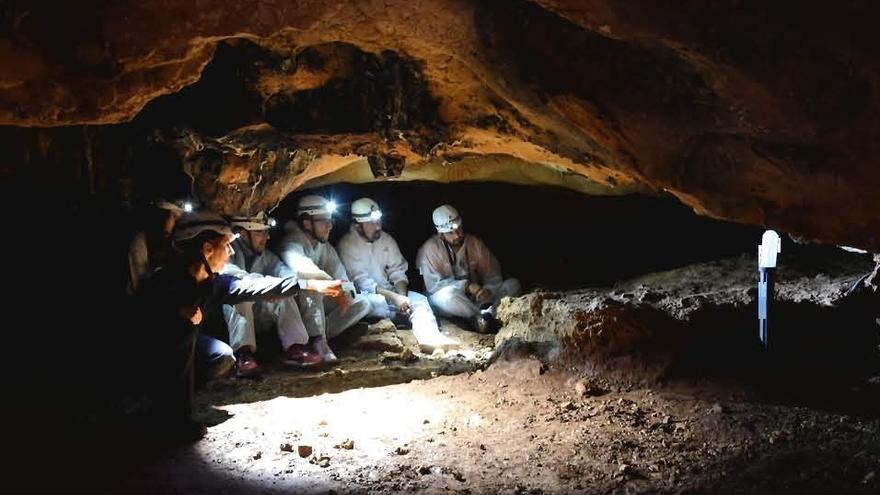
[138,262]
[447,272]
[322,316]
[379,264]
[243,319]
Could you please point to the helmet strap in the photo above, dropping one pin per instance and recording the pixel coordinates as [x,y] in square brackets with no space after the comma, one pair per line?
[310,232]
[211,274]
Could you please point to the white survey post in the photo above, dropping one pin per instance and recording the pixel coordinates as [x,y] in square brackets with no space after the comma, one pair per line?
[768,249]
[770,246]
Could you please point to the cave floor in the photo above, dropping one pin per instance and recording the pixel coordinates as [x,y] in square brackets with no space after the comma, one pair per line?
[389,419]
[516,426]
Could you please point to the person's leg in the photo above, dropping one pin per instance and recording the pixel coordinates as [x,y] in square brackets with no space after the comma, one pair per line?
[338,322]
[285,316]
[174,380]
[240,323]
[510,288]
[379,307]
[507,288]
[424,325]
[214,358]
[452,302]
[311,307]
[311,310]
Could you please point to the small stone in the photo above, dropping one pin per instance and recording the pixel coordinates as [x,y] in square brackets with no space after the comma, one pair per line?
[401,450]
[408,356]
[580,388]
[423,470]
[381,326]
[568,406]
[868,478]
[716,409]
[346,444]
[286,447]
[258,455]
[324,461]
[304,450]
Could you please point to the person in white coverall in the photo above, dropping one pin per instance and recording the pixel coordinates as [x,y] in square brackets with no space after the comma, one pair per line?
[305,249]
[151,247]
[462,276]
[252,259]
[378,271]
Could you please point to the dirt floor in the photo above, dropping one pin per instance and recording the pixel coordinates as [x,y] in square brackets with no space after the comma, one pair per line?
[389,419]
[515,427]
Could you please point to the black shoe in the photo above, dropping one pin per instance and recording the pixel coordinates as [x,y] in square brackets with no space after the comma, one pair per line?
[480,324]
[402,322]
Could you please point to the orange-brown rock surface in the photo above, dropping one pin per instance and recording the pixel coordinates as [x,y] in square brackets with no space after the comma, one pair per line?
[764,114]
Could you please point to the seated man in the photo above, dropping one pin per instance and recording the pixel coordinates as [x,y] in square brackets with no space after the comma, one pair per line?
[252,259]
[170,304]
[151,247]
[462,277]
[378,270]
[305,249]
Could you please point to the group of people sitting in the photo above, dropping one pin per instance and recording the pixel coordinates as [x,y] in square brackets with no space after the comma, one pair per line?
[306,290]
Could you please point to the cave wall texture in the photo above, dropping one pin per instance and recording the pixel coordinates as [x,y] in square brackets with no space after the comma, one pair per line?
[759,112]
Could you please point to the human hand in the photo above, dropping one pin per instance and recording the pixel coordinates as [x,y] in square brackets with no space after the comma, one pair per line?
[403,304]
[329,288]
[193,314]
[484,295]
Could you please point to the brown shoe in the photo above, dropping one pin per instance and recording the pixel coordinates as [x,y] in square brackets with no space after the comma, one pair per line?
[246,365]
[321,348]
[300,356]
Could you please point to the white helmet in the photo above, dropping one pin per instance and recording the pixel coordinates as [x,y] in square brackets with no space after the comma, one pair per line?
[194,224]
[179,206]
[314,205]
[446,219]
[260,221]
[365,210]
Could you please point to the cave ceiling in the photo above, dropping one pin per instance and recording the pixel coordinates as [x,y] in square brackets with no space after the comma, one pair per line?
[758,112]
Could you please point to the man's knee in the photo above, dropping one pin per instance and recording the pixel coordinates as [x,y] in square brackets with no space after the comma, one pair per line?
[511,287]
[360,306]
[220,360]
[452,302]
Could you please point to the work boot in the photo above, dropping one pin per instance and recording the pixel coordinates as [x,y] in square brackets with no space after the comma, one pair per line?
[246,365]
[321,348]
[480,323]
[299,356]
[402,321]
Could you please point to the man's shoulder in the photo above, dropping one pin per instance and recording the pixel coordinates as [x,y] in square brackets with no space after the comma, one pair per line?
[475,241]
[430,243]
[347,238]
[388,239]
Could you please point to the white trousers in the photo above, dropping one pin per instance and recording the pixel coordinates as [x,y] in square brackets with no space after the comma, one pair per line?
[452,301]
[423,320]
[244,320]
[323,317]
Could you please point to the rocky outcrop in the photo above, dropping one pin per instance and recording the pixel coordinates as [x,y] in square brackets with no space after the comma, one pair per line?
[656,326]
